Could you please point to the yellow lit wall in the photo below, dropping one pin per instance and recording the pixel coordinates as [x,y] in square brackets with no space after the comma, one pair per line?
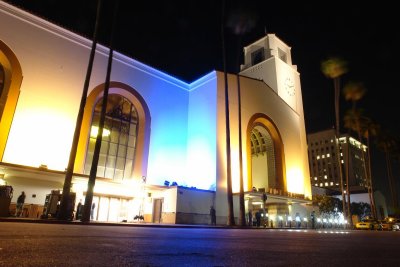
[257,97]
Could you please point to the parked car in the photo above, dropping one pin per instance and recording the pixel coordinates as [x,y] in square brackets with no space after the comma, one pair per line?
[368,224]
[386,226]
[392,224]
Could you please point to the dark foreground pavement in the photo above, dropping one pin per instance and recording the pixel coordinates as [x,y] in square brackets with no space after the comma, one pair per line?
[56,244]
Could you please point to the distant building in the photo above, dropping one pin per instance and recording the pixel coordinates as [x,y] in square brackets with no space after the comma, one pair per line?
[324,168]
[163,153]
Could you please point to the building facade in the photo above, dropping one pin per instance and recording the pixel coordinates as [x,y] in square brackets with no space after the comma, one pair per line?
[324,168]
[157,128]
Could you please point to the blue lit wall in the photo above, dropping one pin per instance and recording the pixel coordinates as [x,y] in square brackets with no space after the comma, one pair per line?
[202,129]
[183,124]
[167,99]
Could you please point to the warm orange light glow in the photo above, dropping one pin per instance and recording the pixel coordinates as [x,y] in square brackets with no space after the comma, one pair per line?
[40,136]
[295,180]
[235,171]
[129,189]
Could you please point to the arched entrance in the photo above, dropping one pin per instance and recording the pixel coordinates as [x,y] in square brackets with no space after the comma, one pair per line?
[262,159]
[265,168]
[265,155]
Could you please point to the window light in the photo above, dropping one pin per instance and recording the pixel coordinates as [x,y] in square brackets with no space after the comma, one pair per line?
[95,130]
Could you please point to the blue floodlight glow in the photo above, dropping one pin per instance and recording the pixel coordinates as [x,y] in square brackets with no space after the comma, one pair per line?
[183,134]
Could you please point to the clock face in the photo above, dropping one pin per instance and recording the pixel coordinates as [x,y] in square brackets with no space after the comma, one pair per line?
[289,86]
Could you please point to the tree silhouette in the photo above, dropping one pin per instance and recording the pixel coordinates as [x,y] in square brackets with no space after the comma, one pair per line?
[64,212]
[231,218]
[388,144]
[240,21]
[334,68]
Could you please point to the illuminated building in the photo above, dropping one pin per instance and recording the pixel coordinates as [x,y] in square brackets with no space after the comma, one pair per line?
[159,130]
[324,170]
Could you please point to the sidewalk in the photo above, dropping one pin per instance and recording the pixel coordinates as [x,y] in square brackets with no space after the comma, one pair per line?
[130,224]
[146,224]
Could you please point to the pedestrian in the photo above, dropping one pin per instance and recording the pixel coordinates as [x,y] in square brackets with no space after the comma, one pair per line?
[78,215]
[213,216]
[250,214]
[313,219]
[20,204]
[258,218]
[92,211]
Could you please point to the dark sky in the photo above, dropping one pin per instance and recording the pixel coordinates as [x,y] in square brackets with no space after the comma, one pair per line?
[183,39]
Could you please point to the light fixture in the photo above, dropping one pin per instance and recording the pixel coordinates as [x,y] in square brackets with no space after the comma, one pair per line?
[95,130]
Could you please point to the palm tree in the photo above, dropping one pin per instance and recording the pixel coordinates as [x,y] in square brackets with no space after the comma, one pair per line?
[347,171]
[353,92]
[363,126]
[231,218]
[387,144]
[96,153]
[334,68]
[370,130]
[240,21]
[396,156]
[65,205]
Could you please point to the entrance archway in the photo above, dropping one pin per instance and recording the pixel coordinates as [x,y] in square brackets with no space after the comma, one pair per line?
[265,169]
[265,155]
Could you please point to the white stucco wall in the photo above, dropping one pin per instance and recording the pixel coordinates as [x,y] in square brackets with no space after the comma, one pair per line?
[54,63]
[194,201]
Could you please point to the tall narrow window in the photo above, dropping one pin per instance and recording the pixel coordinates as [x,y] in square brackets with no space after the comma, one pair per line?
[257,56]
[282,55]
[119,138]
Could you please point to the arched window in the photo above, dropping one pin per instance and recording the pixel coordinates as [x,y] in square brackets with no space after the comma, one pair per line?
[119,138]
[263,158]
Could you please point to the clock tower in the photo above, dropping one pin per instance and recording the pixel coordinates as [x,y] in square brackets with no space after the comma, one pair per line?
[269,59]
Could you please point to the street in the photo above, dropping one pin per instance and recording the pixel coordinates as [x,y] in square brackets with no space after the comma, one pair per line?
[39,244]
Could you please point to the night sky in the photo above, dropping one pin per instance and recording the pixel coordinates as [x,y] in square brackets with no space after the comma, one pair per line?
[183,39]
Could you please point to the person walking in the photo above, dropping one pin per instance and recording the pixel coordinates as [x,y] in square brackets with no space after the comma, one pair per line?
[250,215]
[78,215]
[258,218]
[92,211]
[213,216]
[20,204]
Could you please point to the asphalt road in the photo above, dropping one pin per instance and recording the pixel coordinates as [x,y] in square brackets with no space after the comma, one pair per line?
[38,244]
